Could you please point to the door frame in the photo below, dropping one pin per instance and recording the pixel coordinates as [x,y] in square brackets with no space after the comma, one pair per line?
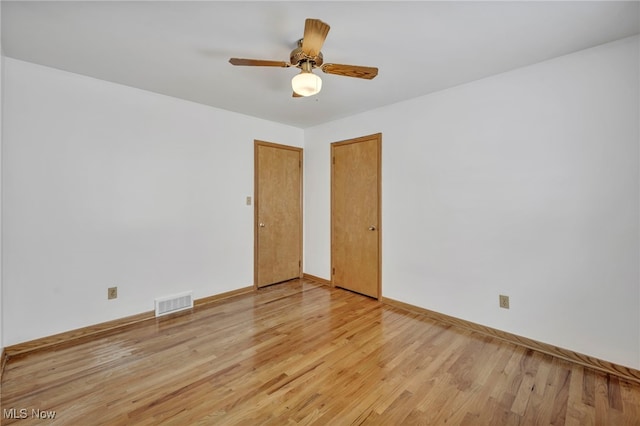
[256,202]
[378,138]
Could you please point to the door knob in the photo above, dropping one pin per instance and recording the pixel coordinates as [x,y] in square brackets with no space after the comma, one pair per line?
[372,228]
[261,225]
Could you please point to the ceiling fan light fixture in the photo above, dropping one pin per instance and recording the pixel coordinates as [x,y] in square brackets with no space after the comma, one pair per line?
[306,84]
[308,56]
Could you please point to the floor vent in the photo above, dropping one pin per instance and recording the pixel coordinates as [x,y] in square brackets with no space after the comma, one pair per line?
[175,303]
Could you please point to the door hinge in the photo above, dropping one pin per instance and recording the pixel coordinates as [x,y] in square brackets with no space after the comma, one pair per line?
[333,271]
[299,264]
[334,160]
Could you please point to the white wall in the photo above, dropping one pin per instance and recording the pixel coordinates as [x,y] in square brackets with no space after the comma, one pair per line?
[1,108]
[524,184]
[106,185]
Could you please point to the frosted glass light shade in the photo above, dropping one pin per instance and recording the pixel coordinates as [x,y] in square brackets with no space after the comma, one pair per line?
[306,84]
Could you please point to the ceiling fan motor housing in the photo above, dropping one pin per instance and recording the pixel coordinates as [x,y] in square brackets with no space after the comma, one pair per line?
[298,57]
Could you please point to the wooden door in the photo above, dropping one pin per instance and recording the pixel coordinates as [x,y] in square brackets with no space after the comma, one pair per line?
[355,214]
[278,213]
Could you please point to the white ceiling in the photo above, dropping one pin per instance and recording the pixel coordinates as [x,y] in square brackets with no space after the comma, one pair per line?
[182,49]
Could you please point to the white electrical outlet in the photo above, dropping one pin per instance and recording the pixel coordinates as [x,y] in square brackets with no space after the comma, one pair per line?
[112,293]
[504,301]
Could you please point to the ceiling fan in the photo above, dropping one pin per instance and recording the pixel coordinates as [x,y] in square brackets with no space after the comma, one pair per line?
[308,56]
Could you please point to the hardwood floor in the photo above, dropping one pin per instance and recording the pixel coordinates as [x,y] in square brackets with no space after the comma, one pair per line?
[302,353]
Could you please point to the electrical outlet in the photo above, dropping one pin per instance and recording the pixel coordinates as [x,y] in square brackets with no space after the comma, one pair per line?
[112,293]
[248,200]
[504,301]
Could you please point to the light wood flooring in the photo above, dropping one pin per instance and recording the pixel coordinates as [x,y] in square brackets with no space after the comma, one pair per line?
[303,353]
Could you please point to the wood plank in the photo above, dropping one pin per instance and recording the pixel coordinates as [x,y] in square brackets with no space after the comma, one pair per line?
[92,331]
[74,336]
[625,373]
[316,279]
[222,296]
[306,353]
[3,361]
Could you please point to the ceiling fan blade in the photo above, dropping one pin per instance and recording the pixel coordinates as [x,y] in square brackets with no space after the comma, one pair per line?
[258,63]
[315,32]
[350,70]
[295,95]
